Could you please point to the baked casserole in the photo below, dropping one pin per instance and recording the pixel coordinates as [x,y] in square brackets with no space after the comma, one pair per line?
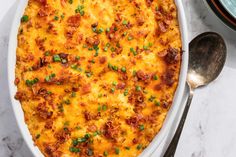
[97,77]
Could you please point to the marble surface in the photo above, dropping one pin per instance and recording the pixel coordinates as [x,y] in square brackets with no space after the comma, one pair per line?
[210,128]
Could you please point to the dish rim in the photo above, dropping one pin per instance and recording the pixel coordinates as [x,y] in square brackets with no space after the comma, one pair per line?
[171,115]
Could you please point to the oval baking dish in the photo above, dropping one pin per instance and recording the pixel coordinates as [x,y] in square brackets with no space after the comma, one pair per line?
[170,116]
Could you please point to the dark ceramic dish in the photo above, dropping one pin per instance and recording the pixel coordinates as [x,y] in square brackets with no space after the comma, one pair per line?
[223,14]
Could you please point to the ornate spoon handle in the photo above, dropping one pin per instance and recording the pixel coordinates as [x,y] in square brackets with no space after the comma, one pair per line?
[170,152]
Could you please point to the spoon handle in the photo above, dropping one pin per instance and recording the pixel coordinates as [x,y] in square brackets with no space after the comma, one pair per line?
[170,152]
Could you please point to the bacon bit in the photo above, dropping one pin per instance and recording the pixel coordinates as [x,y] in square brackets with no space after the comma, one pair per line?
[40,43]
[135,141]
[86,89]
[69,32]
[136,98]
[168,78]
[43,111]
[74,21]
[63,3]
[110,130]
[92,128]
[20,96]
[51,28]
[51,148]
[149,3]
[88,116]
[158,87]
[92,41]
[118,50]
[140,20]
[42,2]
[172,56]
[123,76]
[143,76]
[79,38]
[134,121]
[162,28]
[62,135]
[113,35]
[162,53]
[42,91]
[121,85]
[17,81]
[48,124]
[153,117]
[102,59]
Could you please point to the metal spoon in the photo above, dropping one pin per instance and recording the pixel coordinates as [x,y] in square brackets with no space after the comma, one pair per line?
[207,55]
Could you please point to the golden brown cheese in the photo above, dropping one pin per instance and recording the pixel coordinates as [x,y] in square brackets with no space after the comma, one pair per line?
[97,77]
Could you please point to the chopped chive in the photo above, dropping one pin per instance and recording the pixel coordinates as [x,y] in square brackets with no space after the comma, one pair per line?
[56,18]
[75,142]
[139,146]
[157,103]
[105,153]
[70,1]
[114,83]
[123,69]
[125,22]
[112,90]
[145,47]
[155,77]
[117,150]
[130,38]
[37,136]
[141,127]
[127,148]
[138,88]
[108,30]
[104,107]
[74,150]
[77,57]
[150,44]
[25,18]
[56,58]
[47,53]
[73,94]
[151,98]
[100,30]
[126,92]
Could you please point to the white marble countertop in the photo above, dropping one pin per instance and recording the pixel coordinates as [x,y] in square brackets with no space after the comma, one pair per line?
[210,129]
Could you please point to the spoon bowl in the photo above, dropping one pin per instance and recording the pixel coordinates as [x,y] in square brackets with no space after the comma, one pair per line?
[206,60]
[207,55]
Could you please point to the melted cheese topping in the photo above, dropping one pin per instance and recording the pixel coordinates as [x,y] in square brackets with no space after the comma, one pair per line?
[97,77]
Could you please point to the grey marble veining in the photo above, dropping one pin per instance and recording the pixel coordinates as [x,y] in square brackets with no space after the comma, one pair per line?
[202,136]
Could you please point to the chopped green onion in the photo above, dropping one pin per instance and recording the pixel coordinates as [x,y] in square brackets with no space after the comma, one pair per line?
[25,18]
[105,153]
[139,146]
[125,22]
[104,107]
[155,77]
[117,150]
[138,88]
[37,136]
[157,103]
[123,69]
[126,92]
[141,127]
[56,58]
[70,1]
[130,38]
[56,18]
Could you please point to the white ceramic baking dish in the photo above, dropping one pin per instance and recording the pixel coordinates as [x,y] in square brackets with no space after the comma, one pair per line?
[170,119]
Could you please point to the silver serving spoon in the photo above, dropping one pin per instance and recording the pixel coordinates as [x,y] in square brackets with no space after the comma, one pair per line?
[207,55]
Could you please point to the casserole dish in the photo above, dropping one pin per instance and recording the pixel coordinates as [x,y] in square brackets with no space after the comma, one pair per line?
[171,114]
